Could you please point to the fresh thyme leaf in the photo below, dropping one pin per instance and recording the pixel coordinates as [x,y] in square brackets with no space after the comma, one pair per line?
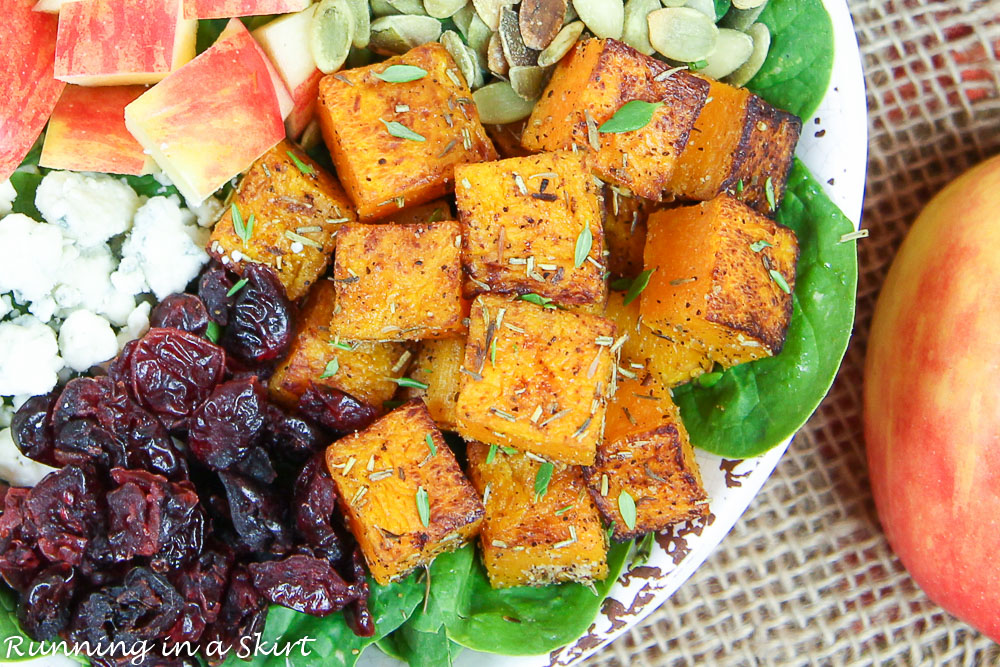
[757,246]
[423,506]
[492,455]
[243,229]
[401,73]
[401,131]
[213,332]
[643,550]
[331,369]
[538,300]
[509,451]
[240,284]
[409,382]
[780,279]
[303,167]
[697,65]
[626,505]
[341,345]
[633,115]
[709,379]
[430,444]
[639,284]
[769,192]
[542,479]
[583,244]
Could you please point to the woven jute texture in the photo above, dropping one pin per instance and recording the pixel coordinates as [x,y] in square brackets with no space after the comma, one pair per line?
[806,576]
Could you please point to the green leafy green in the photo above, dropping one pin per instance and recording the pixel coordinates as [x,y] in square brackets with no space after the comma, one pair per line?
[25,184]
[796,73]
[420,649]
[721,7]
[755,406]
[148,186]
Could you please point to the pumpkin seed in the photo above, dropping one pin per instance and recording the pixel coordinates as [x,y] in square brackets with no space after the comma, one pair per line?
[674,3]
[748,4]
[462,56]
[498,104]
[741,19]
[571,14]
[495,58]
[761,37]
[706,7]
[442,9]
[383,8]
[604,18]
[528,81]
[330,33]
[463,17]
[561,45]
[732,50]
[682,33]
[514,49]
[540,21]
[409,7]
[489,11]
[636,31]
[362,23]
[392,35]
[478,38]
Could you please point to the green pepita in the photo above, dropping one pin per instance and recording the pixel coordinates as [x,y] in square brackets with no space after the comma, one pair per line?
[732,50]
[498,104]
[489,11]
[362,23]
[409,7]
[604,18]
[528,81]
[682,33]
[442,9]
[748,4]
[393,35]
[463,17]
[330,34]
[706,7]
[514,48]
[540,21]
[761,37]
[478,38]
[636,31]
[495,59]
[741,19]
[382,8]
[561,45]
[463,57]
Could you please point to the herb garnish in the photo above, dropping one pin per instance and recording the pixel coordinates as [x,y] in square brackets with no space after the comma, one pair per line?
[626,505]
[757,246]
[780,279]
[303,167]
[637,286]
[583,244]
[237,287]
[331,369]
[430,444]
[423,506]
[213,332]
[542,479]
[633,115]
[243,229]
[401,73]
[492,454]
[769,192]
[409,382]
[401,131]
[538,300]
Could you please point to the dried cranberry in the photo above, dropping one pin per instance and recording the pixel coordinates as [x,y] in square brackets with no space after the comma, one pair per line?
[172,372]
[260,327]
[118,369]
[181,311]
[213,288]
[358,616]
[228,424]
[144,608]
[256,464]
[20,560]
[243,613]
[292,438]
[258,515]
[44,609]
[189,627]
[203,581]
[302,583]
[335,410]
[150,516]
[315,507]
[64,510]
[32,430]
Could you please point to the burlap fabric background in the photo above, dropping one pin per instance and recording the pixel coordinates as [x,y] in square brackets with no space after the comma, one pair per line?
[806,576]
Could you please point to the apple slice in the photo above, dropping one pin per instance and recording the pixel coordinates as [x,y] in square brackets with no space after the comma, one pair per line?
[50,6]
[285,103]
[221,9]
[87,132]
[28,45]
[285,42]
[121,42]
[211,119]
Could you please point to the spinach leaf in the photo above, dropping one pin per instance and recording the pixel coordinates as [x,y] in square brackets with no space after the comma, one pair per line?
[150,187]
[797,71]
[420,649]
[26,184]
[755,406]
[721,7]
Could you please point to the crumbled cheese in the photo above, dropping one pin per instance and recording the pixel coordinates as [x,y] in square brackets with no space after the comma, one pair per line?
[85,340]
[30,360]
[84,281]
[6,306]
[136,325]
[32,254]
[164,247]
[7,196]
[15,468]
[90,208]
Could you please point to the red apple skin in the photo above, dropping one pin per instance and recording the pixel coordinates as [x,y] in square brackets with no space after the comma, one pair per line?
[210,120]
[30,91]
[932,400]
[285,102]
[285,40]
[220,9]
[87,132]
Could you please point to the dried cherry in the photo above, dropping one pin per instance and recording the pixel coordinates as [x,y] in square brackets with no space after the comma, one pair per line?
[171,372]
[242,614]
[292,438]
[20,559]
[315,508]
[257,514]
[213,288]
[303,583]
[358,616]
[203,581]
[335,410]
[32,430]
[228,423]
[64,510]
[44,608]
[181,311]
[260,326]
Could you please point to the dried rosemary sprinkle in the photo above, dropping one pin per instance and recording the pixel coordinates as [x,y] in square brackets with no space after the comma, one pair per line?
[503,415]
[558,415]
[380,475]
[854,236]
[292,236]
[519,182]
[593,138]
[350,464]
[604,485]
[447,148]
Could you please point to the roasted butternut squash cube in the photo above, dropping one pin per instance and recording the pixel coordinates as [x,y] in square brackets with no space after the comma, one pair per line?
[645,351]
[437,364]
[530,538]
[739,142]
[397,144]
[362,369]
[589,86]
[645,461]
[432,211]
[507,139]
[404,495]
[624,232]
[398,282]
[522,222]
[290,209]
[535,378]
[722,278]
